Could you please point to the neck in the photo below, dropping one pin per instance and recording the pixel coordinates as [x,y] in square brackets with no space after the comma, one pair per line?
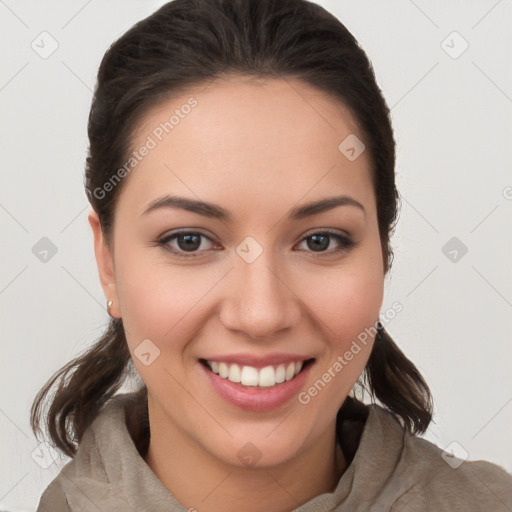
[200,481]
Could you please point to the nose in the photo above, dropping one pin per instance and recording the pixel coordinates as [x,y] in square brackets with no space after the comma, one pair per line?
[259,301]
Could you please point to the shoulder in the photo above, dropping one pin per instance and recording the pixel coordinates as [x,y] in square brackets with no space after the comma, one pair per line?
[106,468]
[53,499]
[439,481]
[404,472]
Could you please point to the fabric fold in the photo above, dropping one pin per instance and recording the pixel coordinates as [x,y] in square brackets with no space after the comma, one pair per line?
[391,470]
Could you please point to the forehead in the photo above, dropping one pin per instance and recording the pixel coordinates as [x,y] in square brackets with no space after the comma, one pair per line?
[238,137]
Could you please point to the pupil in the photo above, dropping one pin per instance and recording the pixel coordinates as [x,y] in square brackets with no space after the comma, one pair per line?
[317,243]
[190,245]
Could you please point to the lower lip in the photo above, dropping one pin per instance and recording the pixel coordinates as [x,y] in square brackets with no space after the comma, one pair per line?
[257,399]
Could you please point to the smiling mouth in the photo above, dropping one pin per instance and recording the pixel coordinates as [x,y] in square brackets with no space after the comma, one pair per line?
[251,377]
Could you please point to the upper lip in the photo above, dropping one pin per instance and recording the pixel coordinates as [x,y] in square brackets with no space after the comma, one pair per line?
[257,361]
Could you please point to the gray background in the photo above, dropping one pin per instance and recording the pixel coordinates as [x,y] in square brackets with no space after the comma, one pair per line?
[452,119]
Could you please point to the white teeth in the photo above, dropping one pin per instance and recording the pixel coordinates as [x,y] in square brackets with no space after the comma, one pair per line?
[234,373]
[249,376]
[223,370]
[267,377]
[290,371]
[280,374]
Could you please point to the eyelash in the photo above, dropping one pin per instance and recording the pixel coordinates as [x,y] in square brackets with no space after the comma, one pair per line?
[345,243]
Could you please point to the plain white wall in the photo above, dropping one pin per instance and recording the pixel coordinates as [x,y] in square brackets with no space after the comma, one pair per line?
[452,120]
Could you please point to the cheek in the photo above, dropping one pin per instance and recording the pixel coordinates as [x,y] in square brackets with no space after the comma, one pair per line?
[157,299]
[348,306]
[347,300]
[161,304]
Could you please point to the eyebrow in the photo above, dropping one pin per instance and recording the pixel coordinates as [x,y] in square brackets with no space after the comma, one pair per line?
[214,211]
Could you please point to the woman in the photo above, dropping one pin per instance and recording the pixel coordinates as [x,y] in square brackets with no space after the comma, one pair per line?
[241,178]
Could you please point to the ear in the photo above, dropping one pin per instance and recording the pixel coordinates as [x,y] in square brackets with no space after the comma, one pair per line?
[105,262]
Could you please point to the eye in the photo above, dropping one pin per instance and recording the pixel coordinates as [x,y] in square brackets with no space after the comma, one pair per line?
[187,243]
[321,241]
[190,244]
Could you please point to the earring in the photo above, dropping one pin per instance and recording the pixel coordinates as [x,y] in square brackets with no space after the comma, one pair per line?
[109,305]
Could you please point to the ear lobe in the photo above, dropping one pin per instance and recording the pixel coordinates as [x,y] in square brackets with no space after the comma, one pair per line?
[105,263]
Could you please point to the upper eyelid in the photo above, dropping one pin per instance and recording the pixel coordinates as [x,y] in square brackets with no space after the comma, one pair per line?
[328,231]
[165,238]
[168,236]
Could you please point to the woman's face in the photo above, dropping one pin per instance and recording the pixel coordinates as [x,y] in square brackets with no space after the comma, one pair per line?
[256,283]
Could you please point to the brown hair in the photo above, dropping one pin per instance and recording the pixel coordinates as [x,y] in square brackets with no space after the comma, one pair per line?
[187,43]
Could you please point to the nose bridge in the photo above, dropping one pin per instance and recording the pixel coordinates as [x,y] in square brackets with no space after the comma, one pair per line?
[259,302]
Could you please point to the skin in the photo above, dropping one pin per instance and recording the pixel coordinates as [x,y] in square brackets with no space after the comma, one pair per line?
[257,148]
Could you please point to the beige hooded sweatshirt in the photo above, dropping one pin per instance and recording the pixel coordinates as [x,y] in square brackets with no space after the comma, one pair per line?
[389,470]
